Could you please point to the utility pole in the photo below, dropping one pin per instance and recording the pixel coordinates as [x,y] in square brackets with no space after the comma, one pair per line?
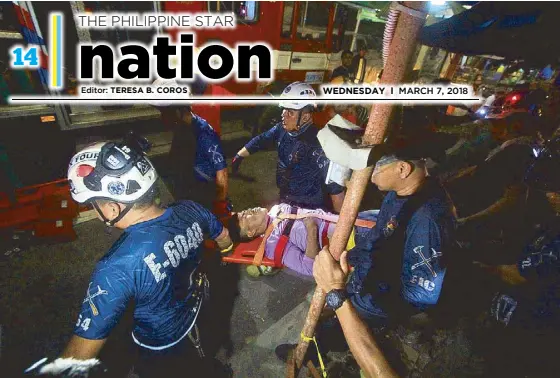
[411,19]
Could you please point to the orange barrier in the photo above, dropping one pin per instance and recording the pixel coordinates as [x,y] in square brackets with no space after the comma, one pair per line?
[47,209]
[13,217]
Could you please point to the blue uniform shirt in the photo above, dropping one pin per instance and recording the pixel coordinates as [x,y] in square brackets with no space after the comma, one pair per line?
[209,155]
[153,264]
[540,265]
[302,166]
[422,274]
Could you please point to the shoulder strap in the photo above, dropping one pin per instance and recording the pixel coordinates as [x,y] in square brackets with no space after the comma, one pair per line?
[325,234]
[259,255]
[333,218]
[284,238]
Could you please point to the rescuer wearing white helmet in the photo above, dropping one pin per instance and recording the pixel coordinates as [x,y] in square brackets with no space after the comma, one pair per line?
[153,264]
[197,159]
[109,173]
[302,165]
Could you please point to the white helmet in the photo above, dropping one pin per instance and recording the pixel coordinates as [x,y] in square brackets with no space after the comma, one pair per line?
[112,171]
[161,82]
[298,90]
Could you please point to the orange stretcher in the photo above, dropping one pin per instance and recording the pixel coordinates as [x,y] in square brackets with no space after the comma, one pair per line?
[244,253]
[252,252]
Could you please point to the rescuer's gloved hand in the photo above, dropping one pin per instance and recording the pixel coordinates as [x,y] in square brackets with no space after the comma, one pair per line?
[67,367]
[236,162]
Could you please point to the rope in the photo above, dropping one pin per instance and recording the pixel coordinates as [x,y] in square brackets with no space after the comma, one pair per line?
[309,339]
[333,218]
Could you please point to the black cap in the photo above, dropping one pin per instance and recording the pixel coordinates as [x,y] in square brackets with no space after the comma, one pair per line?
[406,148]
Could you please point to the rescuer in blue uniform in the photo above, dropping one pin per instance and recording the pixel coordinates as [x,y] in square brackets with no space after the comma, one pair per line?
[398,267]
[197,158]
[153,264]
[527,306]
[302,165]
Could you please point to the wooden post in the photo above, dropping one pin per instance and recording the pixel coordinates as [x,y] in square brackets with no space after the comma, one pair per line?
[402,50]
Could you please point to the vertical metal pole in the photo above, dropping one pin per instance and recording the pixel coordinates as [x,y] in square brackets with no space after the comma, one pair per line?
[402,50]
[305,15]
[157,9]
[359,19]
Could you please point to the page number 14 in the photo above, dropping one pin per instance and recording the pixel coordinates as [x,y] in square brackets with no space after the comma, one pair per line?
[22,57]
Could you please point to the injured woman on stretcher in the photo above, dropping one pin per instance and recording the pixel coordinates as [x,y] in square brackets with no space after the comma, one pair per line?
[292,243]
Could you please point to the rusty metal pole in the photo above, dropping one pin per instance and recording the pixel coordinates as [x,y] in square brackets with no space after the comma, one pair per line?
[401,52]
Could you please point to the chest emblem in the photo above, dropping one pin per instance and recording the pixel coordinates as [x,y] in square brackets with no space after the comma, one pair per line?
[390,227]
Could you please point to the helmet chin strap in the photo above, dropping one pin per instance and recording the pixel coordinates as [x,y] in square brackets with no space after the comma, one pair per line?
[121,215]
[300,128]
[298,123]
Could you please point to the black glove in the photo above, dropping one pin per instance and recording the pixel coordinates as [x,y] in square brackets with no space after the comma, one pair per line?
[236,162]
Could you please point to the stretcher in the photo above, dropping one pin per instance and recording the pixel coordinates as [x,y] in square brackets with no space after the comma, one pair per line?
[252,252]
[244,253]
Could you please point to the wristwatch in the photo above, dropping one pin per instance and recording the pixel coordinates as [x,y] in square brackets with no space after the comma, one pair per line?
[335,298]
